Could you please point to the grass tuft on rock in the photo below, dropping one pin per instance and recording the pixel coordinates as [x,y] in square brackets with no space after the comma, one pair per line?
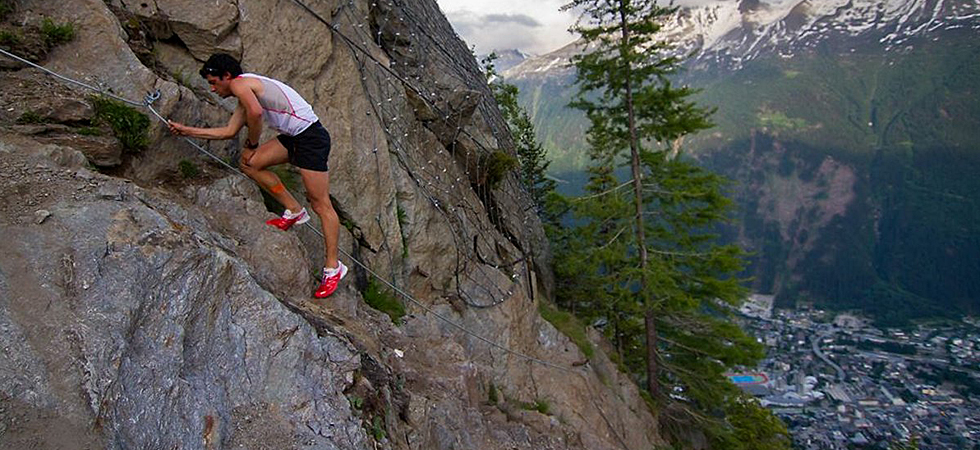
[89,131]
[128,125]
[381,300]
[9,38]
[56,34]
[497,165]
[188,169]
[540,405]
[30,117]
[402,223]
[493,397]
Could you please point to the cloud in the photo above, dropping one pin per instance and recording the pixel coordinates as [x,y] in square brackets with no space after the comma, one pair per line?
[518,19]
[498,31]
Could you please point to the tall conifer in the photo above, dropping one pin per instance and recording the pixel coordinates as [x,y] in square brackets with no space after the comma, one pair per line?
[642,259]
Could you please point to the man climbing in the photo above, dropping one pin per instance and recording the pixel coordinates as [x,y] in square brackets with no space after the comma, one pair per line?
[303,142]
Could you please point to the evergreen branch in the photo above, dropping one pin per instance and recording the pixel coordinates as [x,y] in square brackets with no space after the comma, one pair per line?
[578,199]
[650,188]
[668,253]
[685,347]
[621,230]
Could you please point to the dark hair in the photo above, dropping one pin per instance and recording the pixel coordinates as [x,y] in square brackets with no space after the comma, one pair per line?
[219,64]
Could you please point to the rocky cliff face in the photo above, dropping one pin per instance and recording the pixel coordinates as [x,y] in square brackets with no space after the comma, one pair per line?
[145,306]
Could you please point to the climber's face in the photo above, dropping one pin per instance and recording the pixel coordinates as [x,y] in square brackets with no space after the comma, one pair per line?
[220,85]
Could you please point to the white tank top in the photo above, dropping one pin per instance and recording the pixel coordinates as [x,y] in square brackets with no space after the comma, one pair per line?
[283,108]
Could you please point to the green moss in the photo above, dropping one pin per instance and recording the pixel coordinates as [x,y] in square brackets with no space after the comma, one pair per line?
[55,34]
[348,225]
[30,117]
[128,125]
[381,300]
[569,325]
[188,169]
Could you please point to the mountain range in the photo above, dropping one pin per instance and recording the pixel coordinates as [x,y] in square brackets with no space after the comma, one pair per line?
[851,131]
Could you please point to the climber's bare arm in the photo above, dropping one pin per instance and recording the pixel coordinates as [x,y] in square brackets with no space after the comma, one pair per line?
[228,131]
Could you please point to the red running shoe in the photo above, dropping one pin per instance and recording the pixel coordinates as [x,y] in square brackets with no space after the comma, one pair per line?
[331,277]
[289,219]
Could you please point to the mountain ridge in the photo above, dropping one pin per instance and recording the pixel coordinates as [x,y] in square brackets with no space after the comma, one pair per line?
[729,33]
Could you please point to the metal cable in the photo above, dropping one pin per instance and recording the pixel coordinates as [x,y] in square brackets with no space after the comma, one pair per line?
[404,156]
[84,85]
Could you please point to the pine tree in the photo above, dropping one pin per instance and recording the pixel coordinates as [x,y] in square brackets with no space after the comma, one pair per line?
[643,259]
[636,105]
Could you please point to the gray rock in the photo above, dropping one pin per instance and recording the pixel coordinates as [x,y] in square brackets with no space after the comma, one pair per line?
[41,215]
[101,151]
[153,320]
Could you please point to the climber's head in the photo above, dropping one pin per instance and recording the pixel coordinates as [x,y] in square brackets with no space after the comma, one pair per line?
[219,70]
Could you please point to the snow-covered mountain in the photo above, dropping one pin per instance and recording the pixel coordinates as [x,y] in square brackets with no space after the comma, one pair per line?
[727,34]
[507,59]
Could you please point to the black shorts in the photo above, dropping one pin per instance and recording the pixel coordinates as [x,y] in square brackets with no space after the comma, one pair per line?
[309,149]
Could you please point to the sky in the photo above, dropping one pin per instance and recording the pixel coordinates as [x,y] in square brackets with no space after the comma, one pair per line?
[533,26]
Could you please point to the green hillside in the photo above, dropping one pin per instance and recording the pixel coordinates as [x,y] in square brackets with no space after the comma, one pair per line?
[560,129]
[851,103]
[855,170]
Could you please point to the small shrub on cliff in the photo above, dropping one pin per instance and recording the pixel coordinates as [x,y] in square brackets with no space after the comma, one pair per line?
[30,117]
[492,396]
[378,429]
[356,402]
[128,124]
[497,165]
[55,34]
[539,405]
[381,300]
[188,169]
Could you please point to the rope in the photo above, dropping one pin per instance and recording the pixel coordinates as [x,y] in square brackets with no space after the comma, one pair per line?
[151,97]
